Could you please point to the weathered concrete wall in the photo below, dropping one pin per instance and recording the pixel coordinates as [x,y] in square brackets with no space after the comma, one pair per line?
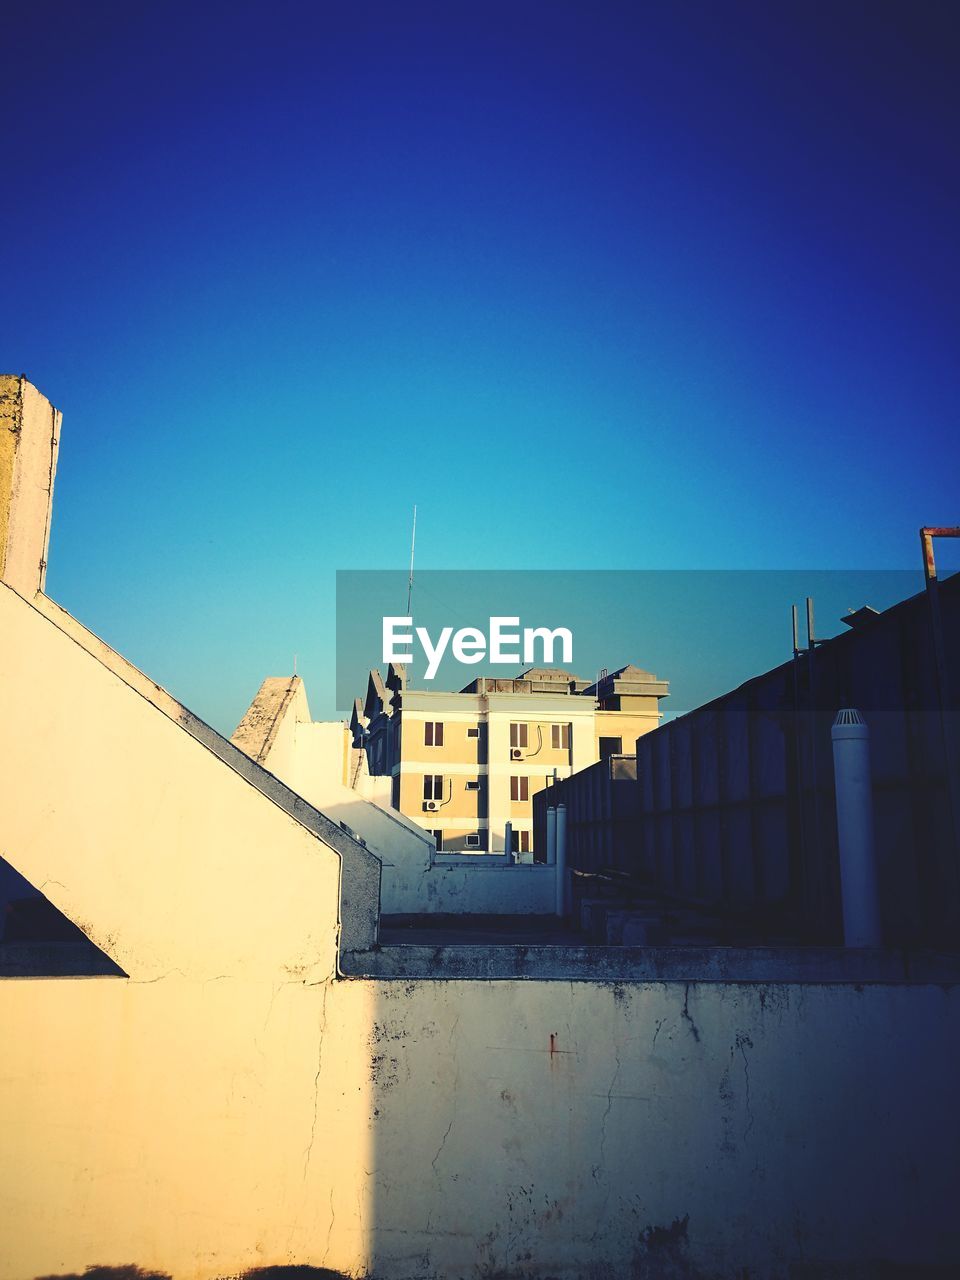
[674,1130]
[29,441]
[442,1129]
[474,887]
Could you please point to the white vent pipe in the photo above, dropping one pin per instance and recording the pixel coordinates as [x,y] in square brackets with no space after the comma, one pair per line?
[858,868]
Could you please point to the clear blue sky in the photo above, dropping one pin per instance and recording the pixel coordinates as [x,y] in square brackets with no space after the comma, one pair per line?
[605,285]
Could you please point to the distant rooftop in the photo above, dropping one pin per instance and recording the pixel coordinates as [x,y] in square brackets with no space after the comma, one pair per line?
[624,680]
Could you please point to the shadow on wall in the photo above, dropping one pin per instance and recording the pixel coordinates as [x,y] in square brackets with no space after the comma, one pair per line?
[131,1272]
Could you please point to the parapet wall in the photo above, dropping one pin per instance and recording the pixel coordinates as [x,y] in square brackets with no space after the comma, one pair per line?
[425,1129]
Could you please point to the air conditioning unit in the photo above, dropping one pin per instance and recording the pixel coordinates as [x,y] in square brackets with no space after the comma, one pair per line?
[516,753]
[431,805]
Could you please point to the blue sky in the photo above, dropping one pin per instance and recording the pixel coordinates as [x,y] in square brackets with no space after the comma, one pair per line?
[596,286]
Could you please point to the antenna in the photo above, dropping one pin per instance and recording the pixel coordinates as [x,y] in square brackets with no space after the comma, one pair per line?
[413,543]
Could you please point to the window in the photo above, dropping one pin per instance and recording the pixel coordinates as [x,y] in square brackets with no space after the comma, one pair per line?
[519,788]
[473,784]
[520,842]
[395,791]
[518,735]
[474,732]
[473,840]
[610,747]
[433,733]
[433,786]
[438,837]
[560,735]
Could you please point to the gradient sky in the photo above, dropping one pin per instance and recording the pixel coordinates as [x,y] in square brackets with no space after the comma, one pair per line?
[596,286]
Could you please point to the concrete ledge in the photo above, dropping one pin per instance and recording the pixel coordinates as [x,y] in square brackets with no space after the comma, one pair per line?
[545,963]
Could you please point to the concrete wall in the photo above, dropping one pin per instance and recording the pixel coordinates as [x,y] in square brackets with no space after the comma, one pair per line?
[417,1130]
[553,1129]
[107,803]
[29,442]
[470,885]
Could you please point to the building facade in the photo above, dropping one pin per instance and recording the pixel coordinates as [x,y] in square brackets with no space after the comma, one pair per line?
[466,766]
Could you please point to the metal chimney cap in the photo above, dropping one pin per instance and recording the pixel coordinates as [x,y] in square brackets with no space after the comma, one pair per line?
[849,724]
[848,715]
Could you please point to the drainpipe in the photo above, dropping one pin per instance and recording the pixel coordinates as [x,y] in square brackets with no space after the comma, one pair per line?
[561,860]
[858,868]
[508,840]
[551,835]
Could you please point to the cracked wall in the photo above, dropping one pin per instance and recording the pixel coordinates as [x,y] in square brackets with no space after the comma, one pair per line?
[522,1130]
[555,1129]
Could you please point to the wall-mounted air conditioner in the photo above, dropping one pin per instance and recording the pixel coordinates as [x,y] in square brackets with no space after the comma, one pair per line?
[431,805]
[516,753]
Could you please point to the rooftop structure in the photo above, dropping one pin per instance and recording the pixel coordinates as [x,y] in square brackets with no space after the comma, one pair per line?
[465,766]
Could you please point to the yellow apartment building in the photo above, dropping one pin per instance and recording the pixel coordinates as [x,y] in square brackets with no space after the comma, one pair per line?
[465,765]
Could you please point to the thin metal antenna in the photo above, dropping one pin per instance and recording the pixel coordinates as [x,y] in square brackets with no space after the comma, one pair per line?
[294,664]
[811,640]
[413,543]
[796,630]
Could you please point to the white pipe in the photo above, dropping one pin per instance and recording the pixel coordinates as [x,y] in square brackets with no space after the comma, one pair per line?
[551,835]
[858,868]
[561,859]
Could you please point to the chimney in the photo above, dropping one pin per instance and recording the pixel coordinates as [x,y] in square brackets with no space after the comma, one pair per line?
[29,440]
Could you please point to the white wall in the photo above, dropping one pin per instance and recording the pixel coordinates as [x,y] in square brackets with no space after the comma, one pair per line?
[107,804]
[435,1129]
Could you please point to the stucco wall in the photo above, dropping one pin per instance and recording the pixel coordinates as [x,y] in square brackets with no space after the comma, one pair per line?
[553,1129]
[408,1130]
[474,888]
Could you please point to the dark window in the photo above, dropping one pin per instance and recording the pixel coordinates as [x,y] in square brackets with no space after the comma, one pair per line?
[433,733]
[560,737]
[438,837]
[473,784]
[518,735]
[433,786]
[519,788]
[520,842]
[610,747]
